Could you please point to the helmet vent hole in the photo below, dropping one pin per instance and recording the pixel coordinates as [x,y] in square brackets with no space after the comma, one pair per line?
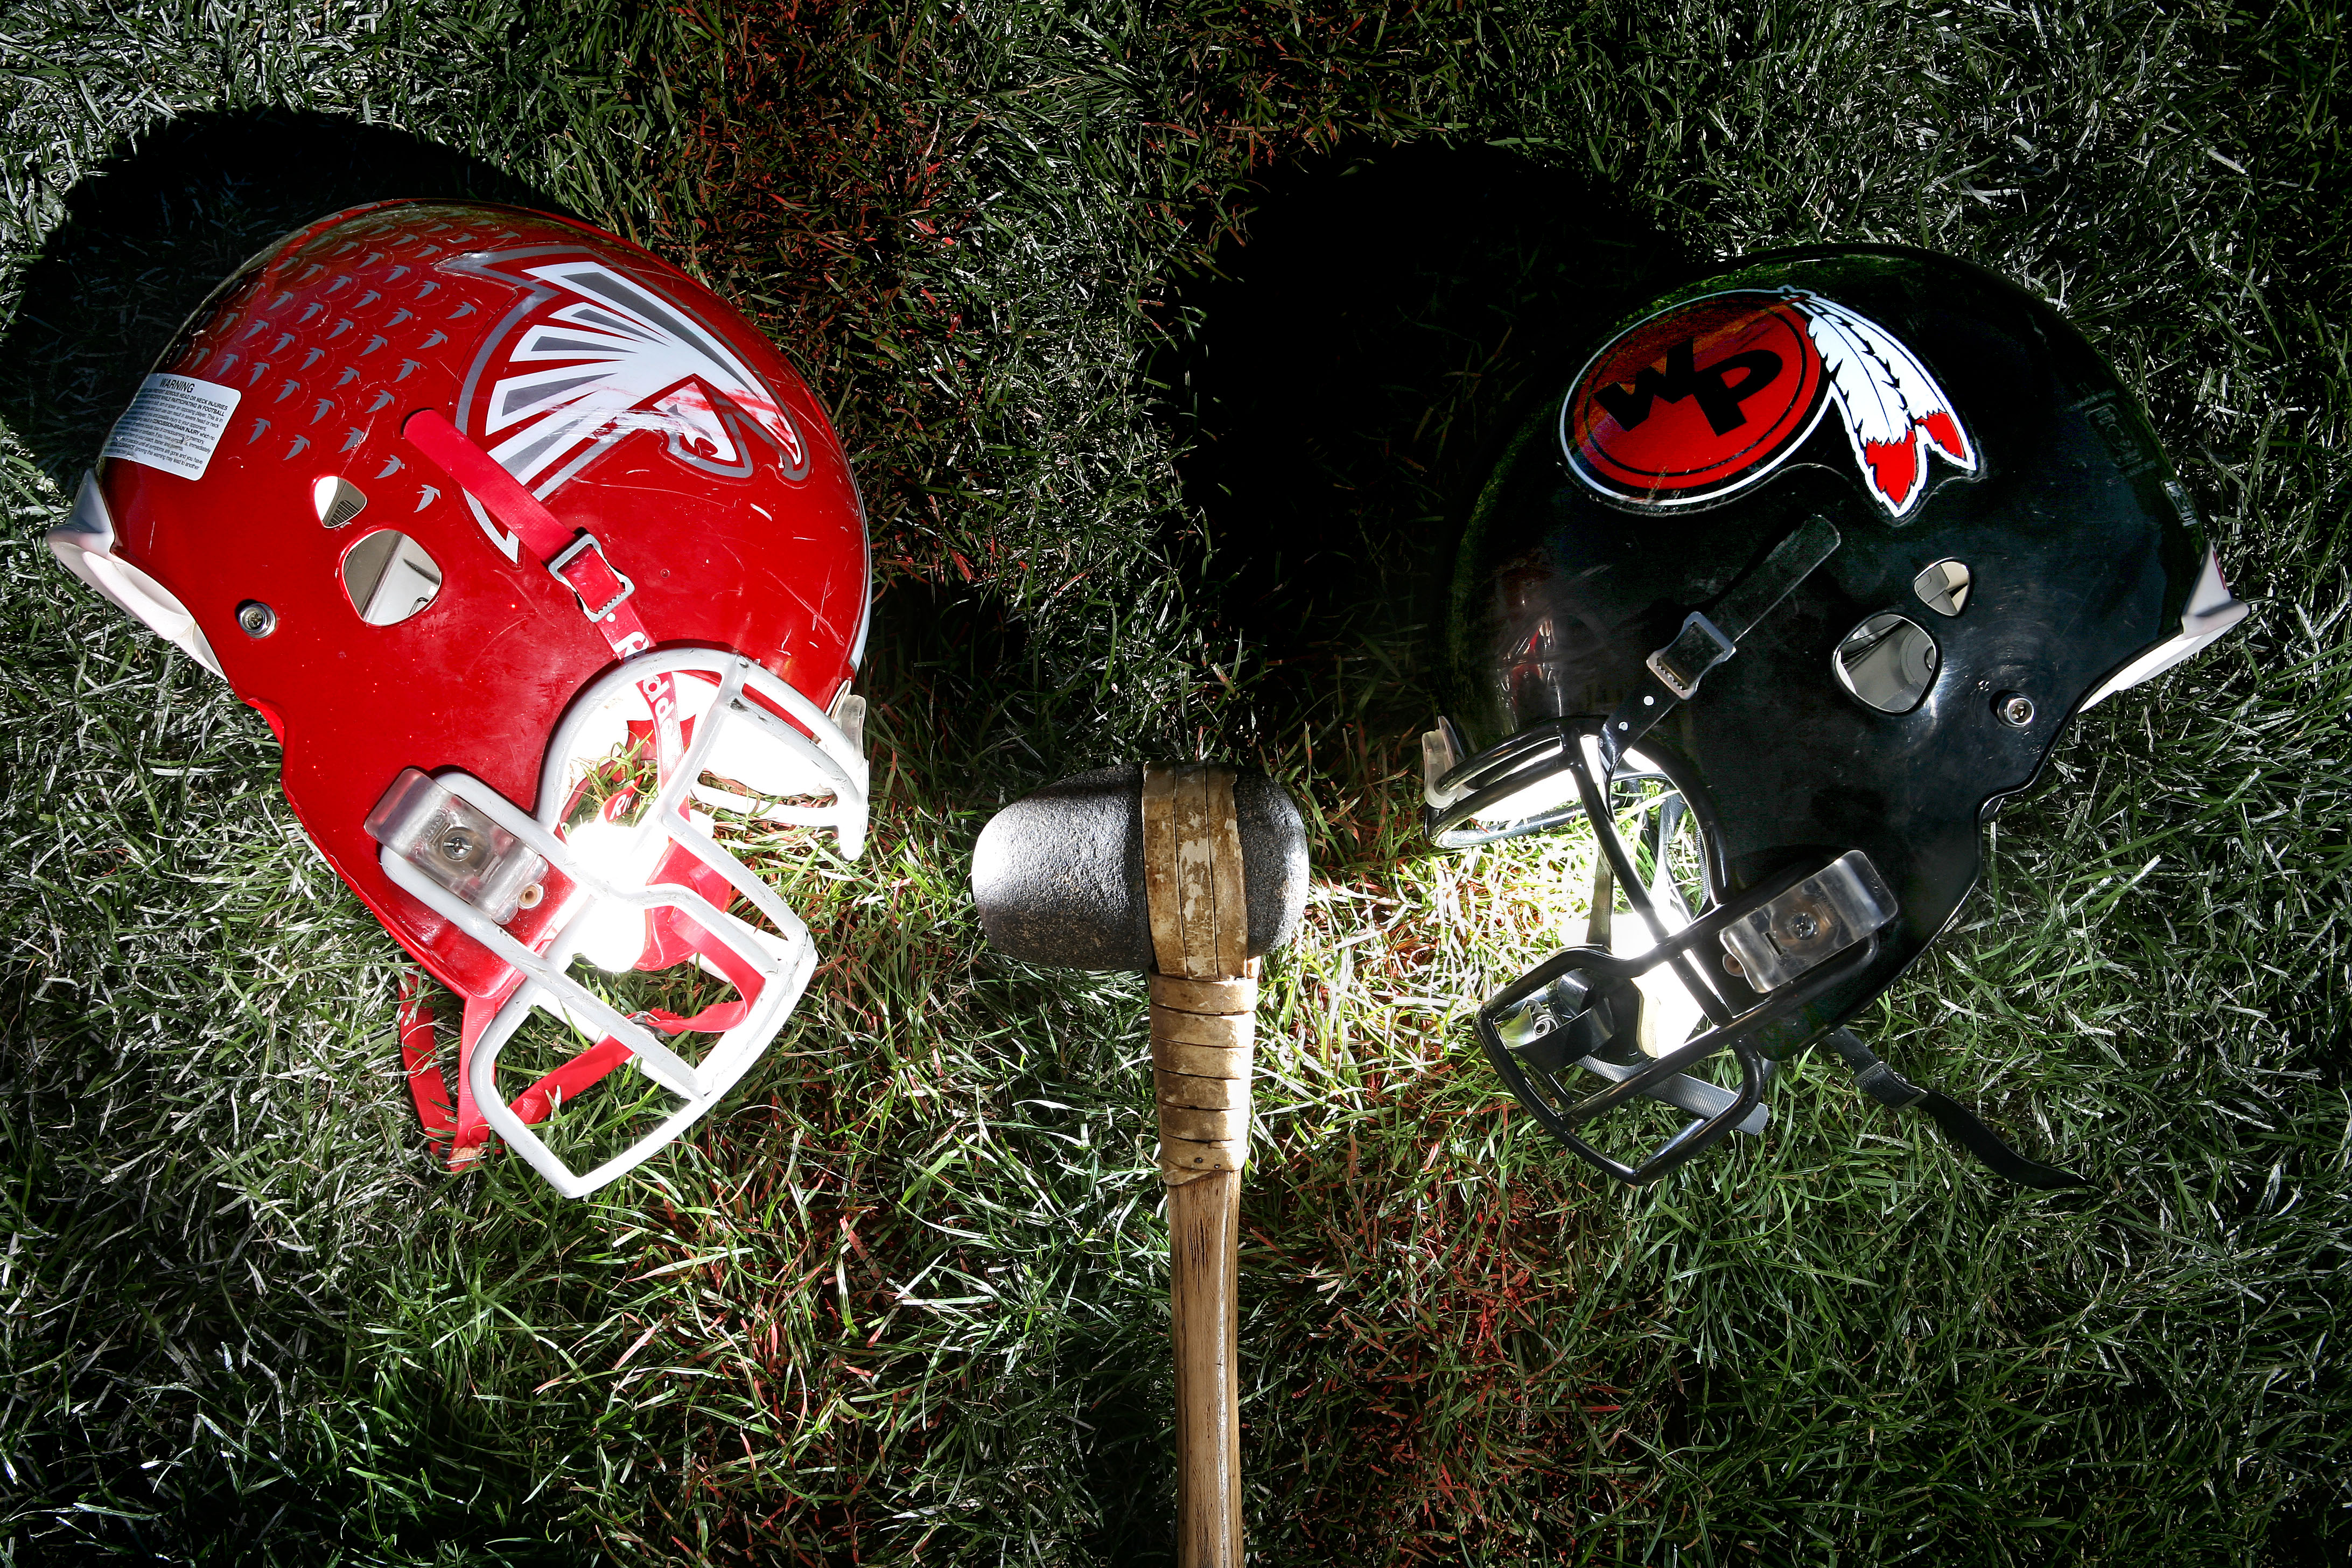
[388,577]
[1943,587]
[338,500]
[1887,662]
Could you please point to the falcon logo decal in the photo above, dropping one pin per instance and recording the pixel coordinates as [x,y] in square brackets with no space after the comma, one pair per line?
[1710,395]
[594,356]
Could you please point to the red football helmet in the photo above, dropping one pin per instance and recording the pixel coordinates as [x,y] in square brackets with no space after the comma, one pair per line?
[534,555]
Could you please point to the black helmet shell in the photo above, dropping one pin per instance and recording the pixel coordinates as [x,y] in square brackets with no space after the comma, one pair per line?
[1931,412]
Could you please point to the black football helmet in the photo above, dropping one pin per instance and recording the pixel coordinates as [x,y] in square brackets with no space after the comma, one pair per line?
[1812,562]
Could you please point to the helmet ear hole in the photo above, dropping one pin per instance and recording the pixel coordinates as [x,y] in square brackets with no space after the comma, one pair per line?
[336,499]
[1887,662]
[1943,587]
[388,577]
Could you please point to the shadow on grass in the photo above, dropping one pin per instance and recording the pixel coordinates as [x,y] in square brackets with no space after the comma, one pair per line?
[956,664]
[1344,381]
[148,233]
[1346,376]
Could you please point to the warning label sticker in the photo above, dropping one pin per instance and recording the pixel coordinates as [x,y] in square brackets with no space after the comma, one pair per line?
[174,424]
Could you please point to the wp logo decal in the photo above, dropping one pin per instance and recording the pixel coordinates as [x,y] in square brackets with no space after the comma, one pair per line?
[1711,395]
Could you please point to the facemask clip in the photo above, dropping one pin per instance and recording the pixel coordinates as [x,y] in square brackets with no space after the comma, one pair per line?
[458,845]
[1815,921]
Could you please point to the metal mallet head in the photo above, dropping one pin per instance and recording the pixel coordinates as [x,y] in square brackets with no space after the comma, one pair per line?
[1059,874]
[1190,871]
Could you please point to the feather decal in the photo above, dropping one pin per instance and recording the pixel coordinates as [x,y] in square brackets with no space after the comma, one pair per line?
[619,359]
[1894,410]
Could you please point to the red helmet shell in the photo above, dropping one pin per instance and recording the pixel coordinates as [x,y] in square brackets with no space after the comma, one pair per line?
[634,403]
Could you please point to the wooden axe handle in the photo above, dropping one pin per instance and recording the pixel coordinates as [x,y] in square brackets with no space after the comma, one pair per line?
[1203,1002]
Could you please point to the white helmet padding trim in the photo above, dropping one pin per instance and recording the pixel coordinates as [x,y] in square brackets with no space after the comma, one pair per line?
[84,546]
[735,695]
[2211,612]
[789,763]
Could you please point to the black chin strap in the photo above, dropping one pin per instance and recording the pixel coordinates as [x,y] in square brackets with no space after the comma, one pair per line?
[1962,1125]
[1706,641]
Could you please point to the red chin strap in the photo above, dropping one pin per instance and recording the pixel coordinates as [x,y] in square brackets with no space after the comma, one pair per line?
[576,559]
[672,939]
[573,557]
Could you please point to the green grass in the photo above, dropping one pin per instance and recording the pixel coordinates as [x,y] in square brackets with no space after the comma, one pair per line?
[1170,342]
